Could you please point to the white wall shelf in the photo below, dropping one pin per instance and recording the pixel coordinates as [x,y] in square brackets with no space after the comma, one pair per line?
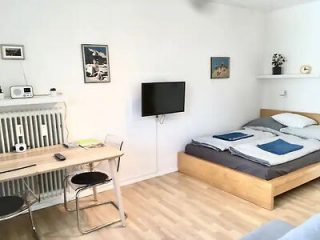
[7,102]
[289,76]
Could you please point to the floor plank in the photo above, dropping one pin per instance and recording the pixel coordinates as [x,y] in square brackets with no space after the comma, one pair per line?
[173,206]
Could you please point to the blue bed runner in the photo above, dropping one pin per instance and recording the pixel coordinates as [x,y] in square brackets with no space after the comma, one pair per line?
[279,147]
[234,136]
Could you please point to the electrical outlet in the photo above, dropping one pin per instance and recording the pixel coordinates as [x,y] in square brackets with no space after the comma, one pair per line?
[284,93]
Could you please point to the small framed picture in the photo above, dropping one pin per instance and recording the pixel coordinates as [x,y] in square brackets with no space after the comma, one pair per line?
[12,52]
[220,67]
[96,66]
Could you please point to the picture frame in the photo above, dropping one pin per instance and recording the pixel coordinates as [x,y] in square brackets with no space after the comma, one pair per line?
[12,52]
[96,65]
[220,67]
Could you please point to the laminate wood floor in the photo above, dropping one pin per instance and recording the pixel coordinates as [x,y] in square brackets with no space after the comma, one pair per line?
[173,206]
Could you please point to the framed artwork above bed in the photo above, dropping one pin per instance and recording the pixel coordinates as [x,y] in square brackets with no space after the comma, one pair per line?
[220,67]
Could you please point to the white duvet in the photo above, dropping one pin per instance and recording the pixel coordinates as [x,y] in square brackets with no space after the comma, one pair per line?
[222,145]
[251,152]
[311,132]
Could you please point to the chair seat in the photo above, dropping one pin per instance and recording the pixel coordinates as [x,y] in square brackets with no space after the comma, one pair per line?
[10,204]
[90,178]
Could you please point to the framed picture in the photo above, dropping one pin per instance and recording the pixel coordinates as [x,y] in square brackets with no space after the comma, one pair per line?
[12,52]
[96,66]
[220,67]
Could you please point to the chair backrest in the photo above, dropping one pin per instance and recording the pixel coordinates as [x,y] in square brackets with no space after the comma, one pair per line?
[115,142]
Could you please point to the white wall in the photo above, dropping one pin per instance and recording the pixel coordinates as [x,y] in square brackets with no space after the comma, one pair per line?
[148,41]
[295,33]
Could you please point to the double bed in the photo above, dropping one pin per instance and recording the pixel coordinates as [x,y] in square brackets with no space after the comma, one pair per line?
[249,180]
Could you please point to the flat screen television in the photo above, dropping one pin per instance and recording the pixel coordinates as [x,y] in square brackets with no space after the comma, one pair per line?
[162,98]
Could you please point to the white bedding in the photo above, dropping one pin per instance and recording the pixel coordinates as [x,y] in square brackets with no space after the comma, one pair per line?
[251,152]
[222,145]
[311,132]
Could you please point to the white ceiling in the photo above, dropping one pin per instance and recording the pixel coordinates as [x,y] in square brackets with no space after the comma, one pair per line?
[264,5]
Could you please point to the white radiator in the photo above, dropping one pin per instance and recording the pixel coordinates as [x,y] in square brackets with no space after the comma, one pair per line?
[38,128]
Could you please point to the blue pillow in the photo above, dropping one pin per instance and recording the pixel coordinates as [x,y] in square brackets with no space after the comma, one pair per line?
[309,230]
[269,231]
[279,147]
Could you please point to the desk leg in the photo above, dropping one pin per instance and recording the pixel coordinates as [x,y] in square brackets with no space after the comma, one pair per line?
[116,189]
[95,195]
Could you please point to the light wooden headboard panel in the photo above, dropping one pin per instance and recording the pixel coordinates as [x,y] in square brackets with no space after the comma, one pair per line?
[271,112]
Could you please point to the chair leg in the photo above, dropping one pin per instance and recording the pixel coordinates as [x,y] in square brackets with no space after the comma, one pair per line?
[65,200]
[95,197]
[78,209]
[34,230]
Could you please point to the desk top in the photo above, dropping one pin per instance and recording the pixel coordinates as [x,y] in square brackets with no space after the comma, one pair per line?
[45,162]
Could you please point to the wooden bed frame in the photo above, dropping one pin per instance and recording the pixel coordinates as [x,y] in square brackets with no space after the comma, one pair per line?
[256,190]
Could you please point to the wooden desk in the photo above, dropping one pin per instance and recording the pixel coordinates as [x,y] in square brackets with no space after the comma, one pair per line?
[45,162]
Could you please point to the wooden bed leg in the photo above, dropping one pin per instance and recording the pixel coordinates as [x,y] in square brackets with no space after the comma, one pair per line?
[271,205]
[267,201]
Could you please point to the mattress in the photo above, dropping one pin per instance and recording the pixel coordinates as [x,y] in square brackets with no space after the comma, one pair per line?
[240,164]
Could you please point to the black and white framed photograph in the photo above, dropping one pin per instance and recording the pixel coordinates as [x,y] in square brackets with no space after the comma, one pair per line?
[96,67]
[12,52]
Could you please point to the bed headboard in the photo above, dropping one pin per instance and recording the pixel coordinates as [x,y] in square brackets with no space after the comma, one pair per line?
[271,112]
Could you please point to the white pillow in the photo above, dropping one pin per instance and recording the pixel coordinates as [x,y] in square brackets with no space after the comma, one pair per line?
[294,120]
[310,132]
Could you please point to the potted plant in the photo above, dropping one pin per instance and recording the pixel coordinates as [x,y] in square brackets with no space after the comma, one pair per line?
[277,61]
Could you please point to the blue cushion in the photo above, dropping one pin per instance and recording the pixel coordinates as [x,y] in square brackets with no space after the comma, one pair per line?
[270,231]
[309,230]
[279,147]
[234,136]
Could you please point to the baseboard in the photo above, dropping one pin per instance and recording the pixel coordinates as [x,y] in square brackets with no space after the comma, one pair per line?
[59,200]
[133,180]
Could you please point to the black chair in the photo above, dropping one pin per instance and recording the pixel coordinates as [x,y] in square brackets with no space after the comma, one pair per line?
[12,206]
[90,179]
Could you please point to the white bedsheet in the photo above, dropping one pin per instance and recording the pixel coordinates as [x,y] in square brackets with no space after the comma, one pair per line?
[251,152]
[222,145]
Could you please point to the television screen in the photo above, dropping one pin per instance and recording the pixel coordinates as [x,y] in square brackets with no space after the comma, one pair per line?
[162,98]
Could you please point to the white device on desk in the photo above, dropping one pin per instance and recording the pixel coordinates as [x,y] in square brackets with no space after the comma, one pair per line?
[21,91]
[20,147]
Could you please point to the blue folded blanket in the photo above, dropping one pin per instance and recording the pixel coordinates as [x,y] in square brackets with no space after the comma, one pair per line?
[279,147]
[234,136]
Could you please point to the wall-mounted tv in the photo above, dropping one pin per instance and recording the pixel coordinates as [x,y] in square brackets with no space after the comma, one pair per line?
[162,98]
